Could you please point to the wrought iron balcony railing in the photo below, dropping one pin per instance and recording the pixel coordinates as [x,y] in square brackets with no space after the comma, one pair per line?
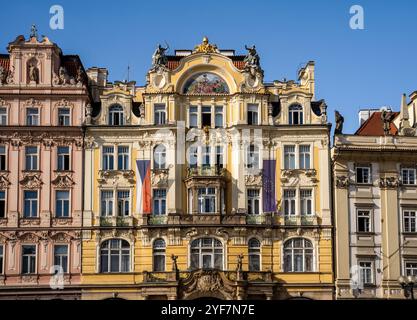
[205,171]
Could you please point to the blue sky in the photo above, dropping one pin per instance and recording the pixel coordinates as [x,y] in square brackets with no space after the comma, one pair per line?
[354,68]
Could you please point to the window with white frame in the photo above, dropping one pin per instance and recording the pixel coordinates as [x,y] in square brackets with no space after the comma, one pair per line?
[1,258]
[219,157]
[31,158]
[64,117]
[296,116]
[2,204]
[159,247]
[61,257]
[253,114]
[63,158]
[252,157]
[364,221]
[254,254]
[304,157]
[30,204]
[115,256]
[192,156]
[409,221]
[159,114]
[289,157]
[62,204]
[253,201]
[28,259]
[159,201]
[206,200]
[219,118]
[3,117]
[289,202]
[206,253]
[363,174]
[116,115]
[193,117]
[410,268]
[3,158]
[206,116]
[206,156]
[159,157]
[108,158]
[408,176]
[306,202]
[123,203]
[106,203]
[32,116]
[366,271]
[123,158]
[298,255]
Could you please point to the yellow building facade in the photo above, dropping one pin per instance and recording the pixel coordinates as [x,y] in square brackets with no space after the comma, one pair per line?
[206,182]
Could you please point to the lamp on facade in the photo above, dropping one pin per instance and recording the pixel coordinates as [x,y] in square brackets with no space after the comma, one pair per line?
[408,284]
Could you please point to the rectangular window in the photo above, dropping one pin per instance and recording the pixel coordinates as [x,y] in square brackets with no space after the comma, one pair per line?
[30,209]
[193,157]
[364,221]
[123,158]
[253,114]
[3,117]
[159,114]
[289,157]
[410,221]
[106,203]
[306,202]
[62,204]
[1,258]
[63,116]
[206,152]
[2,204]
[304,157]
[108,158]
[366,273]
[159,201]
[218,119]
[206,116]
[408,176]
[253,201]
[252,157]
[63,158]
[123,203]
[61,257]
[28,259]
[289,202]
[363,175]
[2,158]
[219,156]
[410,268]
[31,156]
[193,113]
[206,200]
[32,116]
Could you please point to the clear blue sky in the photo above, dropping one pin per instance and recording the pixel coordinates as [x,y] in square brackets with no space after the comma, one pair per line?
[354,68]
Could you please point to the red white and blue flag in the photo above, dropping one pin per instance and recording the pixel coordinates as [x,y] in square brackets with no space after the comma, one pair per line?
[143,187]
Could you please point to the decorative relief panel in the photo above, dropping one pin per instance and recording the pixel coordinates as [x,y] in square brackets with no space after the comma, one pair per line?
[31,180]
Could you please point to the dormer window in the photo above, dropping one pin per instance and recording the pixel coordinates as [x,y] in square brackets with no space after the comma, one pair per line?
[116,115]
[296,115]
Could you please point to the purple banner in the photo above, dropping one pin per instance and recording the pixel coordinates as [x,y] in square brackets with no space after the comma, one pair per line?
[269,200]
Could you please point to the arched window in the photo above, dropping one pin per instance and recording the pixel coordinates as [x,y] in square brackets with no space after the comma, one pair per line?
[206,253]
[296,114]
[115,256]
[116,115]
[159,255]
[298,255]
[159,157]
[254,255]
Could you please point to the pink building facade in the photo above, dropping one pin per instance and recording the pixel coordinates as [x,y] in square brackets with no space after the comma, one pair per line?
[43,95]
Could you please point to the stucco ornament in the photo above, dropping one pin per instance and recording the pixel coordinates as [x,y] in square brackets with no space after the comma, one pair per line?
[31,180]
[207,282]
[389,183]
[342,182]
[206,47]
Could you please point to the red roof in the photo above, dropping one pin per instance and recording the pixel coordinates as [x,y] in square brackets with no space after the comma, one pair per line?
[4,61]
[374,126]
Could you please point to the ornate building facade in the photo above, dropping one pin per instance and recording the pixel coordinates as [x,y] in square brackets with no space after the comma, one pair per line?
[375,203]
[42,98]
[206,182]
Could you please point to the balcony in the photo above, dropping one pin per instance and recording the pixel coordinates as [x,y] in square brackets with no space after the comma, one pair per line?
[299,220]
[258,219]
[158,220]
[206,171]
[116,221]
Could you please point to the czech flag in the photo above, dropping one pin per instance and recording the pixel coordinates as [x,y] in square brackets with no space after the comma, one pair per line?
[143,187]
